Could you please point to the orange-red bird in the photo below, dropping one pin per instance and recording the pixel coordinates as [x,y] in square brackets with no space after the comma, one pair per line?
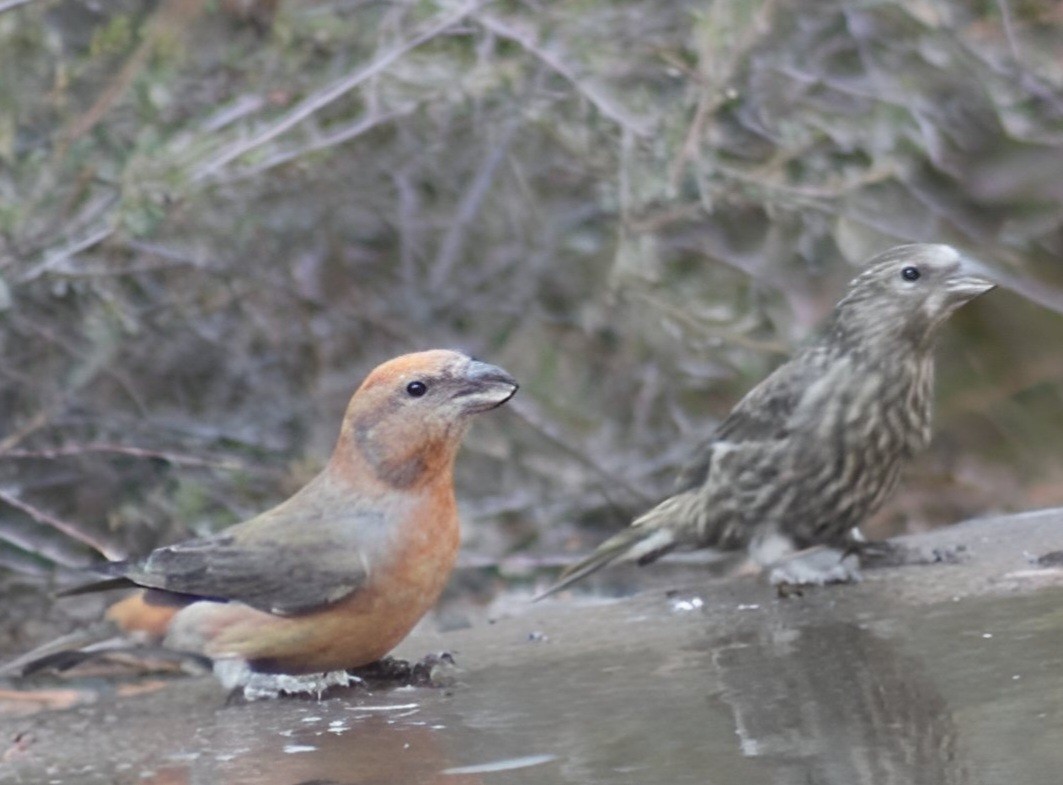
[337,575]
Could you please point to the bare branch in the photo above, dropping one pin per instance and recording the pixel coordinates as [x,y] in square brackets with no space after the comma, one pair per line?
[36,422]
[525,412]
[41,547]
[11,5]
[66,527]
[332,139]
[171,15]
[178,459]
[618,114]
[453,241]
[56,258]
[334,91]
[1009,29]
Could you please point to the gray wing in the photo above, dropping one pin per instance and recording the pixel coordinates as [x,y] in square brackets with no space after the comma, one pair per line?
[763,415]
[299,574]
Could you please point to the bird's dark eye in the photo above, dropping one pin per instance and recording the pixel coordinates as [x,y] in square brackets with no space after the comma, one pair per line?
[416,389]
[910,273]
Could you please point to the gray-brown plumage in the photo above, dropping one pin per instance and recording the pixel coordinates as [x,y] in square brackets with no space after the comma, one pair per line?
[813,450]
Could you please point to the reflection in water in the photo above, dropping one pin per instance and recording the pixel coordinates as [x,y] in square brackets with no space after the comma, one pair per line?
[508,764]
[781,692]
[369,751]
[837,704]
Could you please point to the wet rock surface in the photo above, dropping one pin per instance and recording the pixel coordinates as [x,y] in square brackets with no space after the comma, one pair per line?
[942,673]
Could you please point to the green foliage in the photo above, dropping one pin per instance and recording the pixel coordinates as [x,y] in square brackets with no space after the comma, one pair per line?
[113,38]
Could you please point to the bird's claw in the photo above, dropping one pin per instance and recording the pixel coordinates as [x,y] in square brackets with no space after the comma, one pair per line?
[890,554]
[434,670]
[815,568]
[247,685]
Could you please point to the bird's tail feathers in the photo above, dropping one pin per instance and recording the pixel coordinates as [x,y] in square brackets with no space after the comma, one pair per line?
[644,541]
[101,576]
[100,584]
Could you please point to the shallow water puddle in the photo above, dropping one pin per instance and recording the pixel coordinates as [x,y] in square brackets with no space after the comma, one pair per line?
[845,685]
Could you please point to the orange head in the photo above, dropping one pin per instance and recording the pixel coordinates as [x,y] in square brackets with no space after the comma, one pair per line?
[407,419]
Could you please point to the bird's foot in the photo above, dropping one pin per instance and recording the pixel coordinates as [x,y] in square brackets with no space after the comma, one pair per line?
[884,553]
[434,670]
[245,684]
[814,567]
[237,676]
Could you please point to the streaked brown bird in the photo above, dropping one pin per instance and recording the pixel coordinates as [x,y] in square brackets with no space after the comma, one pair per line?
[337,575]
[813,450]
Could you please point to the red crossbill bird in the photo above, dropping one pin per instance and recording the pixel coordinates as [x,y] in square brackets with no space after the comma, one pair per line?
[337,575]
[813,450]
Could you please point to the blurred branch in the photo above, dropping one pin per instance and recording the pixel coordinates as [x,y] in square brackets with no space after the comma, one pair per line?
[179,257]
[604,104]
[9,497]
[140,269]
[37,421]
[238,109]
[1037,292]
[331,139]
[1009,30]
[176,459]
[451,245]
[983,399]
[92,223]
[702,327]
[172,15]
[525,412]
[690,149]
[11,5]
[42,548]
[57,257]
[322,98]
